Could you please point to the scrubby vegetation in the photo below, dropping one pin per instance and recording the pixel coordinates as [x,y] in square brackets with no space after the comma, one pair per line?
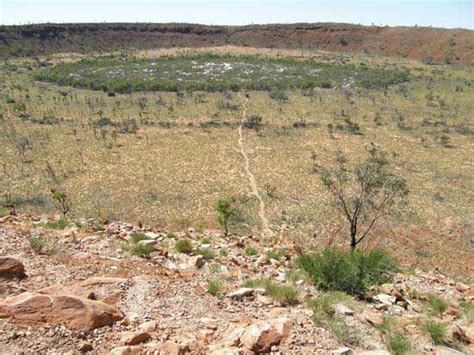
[325,315]
[285,294]
[184,246]
[42,246]
[134,247]
[334,270]
[210,72]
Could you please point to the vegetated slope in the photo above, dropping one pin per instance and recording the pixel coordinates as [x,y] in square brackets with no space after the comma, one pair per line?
[429,44]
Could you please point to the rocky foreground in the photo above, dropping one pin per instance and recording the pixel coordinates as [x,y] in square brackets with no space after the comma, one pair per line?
[79,290]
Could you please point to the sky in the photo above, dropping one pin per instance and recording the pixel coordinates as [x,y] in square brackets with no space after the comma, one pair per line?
[436,13]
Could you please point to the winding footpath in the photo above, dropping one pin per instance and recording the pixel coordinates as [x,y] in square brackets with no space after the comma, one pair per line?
[253,183]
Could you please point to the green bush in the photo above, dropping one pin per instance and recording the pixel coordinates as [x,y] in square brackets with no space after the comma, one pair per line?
[251,251]
[206,253]
[437,332]
[40,246]
[138,249]
[60,224]
[136,237]
[324,307]
[214,287]
[223,252]
[184,246]
[399,345]
[467,309]
[436,305]
[334,270]
[285,294]
[133,247]
[171,235]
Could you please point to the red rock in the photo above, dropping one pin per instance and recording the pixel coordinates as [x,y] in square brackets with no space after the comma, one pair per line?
[262,335]
[462,287]
[372,318]
[463,335]
[73,312]
[85,347]
[171,348]
[134,338]
[11,268]
[128,350]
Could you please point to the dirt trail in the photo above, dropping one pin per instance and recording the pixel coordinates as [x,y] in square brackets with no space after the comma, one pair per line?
[253,183]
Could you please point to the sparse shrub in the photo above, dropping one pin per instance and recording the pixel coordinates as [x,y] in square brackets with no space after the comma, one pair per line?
[134,247]
[251,251]
[214,287]
[223,252]
[334,270]
[206,241]
[295,275]
[324,308]
[171,235]
[444,140]
[206,253]
[225,211]
[278,254]
[278,95]
[59,224]
[387,325]
[436,304]
[63,203]
[398,344]
[467,309]
[136,237]
[253,122]
[285,294]
[138,249]
[184,246]
[270,190]
[437,332]
[40,246]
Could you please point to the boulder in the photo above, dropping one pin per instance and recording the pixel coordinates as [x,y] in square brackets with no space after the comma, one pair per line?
[385,299]
[74,312]
[76,291]
[11,268]
[260,336]
[341,309]
[104,289]
[85,347]
[170,348]
[148,327]
[231,336]
[241,293]
[134,338]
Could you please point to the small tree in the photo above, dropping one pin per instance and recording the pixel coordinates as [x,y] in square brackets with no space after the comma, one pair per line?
[365,193]
[254,122]
[62,201]
[225,212]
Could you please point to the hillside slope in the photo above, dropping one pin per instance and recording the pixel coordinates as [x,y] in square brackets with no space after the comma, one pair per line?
[429,44]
